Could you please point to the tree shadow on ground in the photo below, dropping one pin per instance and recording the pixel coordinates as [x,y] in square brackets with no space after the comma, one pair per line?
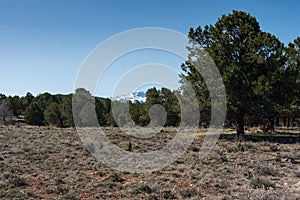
[281,138]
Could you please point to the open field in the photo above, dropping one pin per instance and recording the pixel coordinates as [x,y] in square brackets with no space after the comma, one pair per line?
[50,163]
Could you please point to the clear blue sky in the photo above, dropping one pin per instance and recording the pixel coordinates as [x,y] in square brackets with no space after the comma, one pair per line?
[44,42]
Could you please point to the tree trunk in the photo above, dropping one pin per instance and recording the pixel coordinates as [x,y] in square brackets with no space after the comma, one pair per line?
[284,121]
[240,124]
[277,121]
[272,124]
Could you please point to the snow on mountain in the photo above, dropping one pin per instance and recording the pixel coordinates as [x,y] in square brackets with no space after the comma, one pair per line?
[133,97]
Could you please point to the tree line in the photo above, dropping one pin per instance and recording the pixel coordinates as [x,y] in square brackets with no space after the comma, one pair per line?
[56,110]
[261,77]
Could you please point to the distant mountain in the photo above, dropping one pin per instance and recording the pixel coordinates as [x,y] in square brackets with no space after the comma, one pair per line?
[133,97]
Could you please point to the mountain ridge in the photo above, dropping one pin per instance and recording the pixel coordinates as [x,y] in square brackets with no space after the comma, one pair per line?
[139,96]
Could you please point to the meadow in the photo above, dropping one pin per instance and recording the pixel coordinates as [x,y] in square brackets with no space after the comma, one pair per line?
[53,163]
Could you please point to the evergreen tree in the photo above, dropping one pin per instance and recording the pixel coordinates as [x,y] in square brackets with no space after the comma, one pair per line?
[65,108]
[242,53]
[83,107]
[34,115]
[16,105]
[52,115]
[292,109]
[5,110]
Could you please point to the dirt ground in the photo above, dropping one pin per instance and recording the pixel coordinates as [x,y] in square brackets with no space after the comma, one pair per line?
[52,163]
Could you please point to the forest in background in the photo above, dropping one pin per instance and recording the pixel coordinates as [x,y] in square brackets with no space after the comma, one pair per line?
[261,77]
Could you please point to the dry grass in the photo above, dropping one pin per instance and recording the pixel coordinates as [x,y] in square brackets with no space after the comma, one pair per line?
[49,163]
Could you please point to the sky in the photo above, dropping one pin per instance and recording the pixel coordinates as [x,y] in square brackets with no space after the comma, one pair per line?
[43,43]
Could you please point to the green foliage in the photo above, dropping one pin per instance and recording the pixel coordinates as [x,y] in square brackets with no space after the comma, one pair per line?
[2,96]
[135,111]
[100,111]
[52,115]
[16,105]
[292,107]
[251,62]
[25,102]
[34,115]
[168,100]
[120,114]
[65,108]
[261,78]
[171,105]
[83,106]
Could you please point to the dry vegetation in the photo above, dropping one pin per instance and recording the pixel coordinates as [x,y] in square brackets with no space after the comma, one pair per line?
[49,163]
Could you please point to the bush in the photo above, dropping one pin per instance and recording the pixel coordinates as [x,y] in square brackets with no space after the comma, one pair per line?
[262,183]
[142,188]
[129,146]
[266,171]
[168,194]
[188,193]
[17,181]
